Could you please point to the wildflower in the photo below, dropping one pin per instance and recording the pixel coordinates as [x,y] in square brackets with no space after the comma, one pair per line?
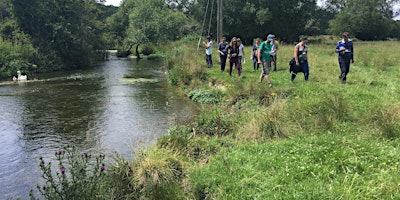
[85,154]
[62,170]
[102,167]
[60,151]
[384,163]
[273,94]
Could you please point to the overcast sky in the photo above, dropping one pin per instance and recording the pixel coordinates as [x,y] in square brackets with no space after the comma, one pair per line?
[113,2]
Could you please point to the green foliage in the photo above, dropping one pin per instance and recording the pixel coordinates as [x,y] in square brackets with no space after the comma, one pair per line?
[286,19]
[366,20]
[153,21]
[76,176]
[147,49]
[16,51]
[213,122]
[205,96]
[65,33]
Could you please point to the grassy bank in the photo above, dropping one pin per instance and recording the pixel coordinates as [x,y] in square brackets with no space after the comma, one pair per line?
[319,139]
[309,140]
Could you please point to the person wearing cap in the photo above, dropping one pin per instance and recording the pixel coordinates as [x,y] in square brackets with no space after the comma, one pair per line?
[345,51]
[264,57]
[223,54]
[300,56]
[274,52]
[208,46]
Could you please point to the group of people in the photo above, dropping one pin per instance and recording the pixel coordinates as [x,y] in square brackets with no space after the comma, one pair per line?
[265,53]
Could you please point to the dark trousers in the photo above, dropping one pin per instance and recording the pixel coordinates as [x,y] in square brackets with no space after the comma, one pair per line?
[223,62]
[234,61]
[273,58]
[344,64]
[304,69]
[256,65]
[209,60]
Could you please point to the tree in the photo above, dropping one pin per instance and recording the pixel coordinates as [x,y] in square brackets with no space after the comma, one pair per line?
[65,32]
[152,21]
[364,19]
[249,19]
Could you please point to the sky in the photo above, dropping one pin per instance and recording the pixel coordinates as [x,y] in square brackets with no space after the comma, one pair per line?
[113,2]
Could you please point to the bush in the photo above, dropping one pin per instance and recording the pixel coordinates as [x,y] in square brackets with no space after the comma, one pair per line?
[147,50]
[76,176]
[205,96]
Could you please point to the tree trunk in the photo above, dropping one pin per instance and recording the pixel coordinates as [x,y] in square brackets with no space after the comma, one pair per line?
[137,52]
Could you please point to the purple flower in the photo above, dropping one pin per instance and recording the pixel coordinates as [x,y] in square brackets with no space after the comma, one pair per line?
[60,151]
[102,167]
[62,170]
[85,154]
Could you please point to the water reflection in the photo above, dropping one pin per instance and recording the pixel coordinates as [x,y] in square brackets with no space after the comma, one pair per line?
[91,109]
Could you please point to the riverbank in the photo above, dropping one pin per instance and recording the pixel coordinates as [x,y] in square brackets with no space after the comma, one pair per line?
[319,139]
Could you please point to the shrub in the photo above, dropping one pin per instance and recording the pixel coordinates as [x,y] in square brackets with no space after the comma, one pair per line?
[205,96]
[76,176]
[147,49]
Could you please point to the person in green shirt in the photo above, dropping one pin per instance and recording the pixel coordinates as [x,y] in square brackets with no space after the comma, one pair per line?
[264,58]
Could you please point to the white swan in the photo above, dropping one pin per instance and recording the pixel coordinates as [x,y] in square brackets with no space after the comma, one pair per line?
[20,77]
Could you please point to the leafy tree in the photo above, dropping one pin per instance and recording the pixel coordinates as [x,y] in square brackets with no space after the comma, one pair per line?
[365,19]
[152,21]
[249,19]
[65,32]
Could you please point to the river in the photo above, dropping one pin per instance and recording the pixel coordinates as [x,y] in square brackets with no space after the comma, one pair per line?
[118,105]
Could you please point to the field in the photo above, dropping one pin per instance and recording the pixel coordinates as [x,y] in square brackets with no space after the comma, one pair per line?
[319,139]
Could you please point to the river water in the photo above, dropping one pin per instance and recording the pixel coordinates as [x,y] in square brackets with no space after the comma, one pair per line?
[119,105]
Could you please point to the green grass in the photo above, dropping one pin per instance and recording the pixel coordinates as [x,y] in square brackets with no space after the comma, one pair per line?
[309,140]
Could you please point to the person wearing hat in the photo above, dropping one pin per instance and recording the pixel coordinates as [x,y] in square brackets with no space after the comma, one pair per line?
[274,52]
[208,46]
[264,58]
[300,56]
[345,51]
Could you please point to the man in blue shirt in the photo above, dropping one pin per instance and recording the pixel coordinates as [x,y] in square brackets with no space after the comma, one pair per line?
[346,54]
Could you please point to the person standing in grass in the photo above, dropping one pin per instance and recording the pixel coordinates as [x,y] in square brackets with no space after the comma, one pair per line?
[233,55]
[274,52]
[300,56]
[208,46]
[264,58]
[223,55]
[346,54]
[241,53]
[254,56]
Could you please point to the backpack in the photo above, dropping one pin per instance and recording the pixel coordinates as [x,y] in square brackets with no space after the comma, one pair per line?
[293,67]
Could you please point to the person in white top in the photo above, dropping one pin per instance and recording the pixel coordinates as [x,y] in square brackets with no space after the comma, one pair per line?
[208,46]
[241,53]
